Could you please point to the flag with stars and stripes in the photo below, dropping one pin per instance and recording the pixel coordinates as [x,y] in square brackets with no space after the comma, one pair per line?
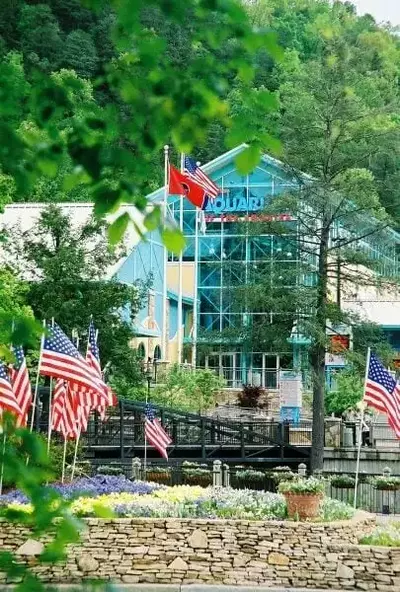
[8,400]
[155,433]
[61,359]
[382,392]
[93,359]
[194,172]
[19,377]
[64,414]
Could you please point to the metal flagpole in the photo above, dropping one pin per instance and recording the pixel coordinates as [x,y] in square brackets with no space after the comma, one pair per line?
[360,429]
[2,460]
[80,424]
[145,441]
[165,261]
[180,275]
[35,394]
[63,461]
[50,406]
[196,272]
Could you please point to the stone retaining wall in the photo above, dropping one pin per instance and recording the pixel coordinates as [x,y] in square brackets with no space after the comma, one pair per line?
[219,552]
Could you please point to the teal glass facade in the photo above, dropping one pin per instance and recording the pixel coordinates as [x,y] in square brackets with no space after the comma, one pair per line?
[228,254]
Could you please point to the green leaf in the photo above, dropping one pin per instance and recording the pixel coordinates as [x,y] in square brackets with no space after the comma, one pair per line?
[173,239]
[118,228]
[153,218]
[248,159]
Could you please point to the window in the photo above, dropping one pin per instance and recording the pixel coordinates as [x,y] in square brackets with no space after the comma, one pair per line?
[141,351]
[157,353]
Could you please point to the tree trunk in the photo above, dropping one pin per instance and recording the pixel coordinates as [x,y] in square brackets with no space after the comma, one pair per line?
[318,356]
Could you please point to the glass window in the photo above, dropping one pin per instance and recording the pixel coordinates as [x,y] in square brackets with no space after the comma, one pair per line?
[210,300]
[210,248]
[210,322]
[141,351]
[234,248]
[210,274]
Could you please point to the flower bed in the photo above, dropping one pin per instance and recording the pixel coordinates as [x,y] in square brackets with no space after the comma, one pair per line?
[384,536]
[106,495]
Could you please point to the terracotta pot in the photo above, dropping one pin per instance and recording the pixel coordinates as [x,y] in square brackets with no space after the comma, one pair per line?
[303,505]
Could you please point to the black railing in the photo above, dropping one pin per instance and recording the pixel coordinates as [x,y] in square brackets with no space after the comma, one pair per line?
[204,436]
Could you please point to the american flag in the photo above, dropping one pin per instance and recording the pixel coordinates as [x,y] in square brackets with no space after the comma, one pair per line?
[155,433]
[8,400]
[382,392]
[61,359]
[195,173]
[93,359]
[21,385]
[64,413]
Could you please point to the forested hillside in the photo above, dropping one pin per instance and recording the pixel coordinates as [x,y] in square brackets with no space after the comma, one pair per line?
[65,39]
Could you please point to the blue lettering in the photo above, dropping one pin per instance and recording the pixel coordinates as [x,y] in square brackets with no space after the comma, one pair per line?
[235,204]
[242,205]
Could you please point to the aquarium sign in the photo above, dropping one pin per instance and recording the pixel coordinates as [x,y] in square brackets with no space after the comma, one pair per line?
[225,204]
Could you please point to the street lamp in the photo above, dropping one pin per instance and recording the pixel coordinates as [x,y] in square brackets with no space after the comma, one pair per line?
[148,375]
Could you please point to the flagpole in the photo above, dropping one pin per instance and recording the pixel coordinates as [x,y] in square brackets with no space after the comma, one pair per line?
[2,460]
[165,261]
[63,461]
[80,424]
[35,395]
[195,306]
[75,453]
[50,406]
[180,275]
[360,429]
[145,443]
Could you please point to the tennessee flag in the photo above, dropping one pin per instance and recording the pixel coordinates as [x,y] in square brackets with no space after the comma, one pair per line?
[179,184]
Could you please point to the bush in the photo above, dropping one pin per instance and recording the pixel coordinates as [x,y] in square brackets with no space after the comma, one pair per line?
[188,390]
[343,481]
[383,483]
[283,474]
[109,470]
[311,486]
[250,396]
[196,474]
[250,476]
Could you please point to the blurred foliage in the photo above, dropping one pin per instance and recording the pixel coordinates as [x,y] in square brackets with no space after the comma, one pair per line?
[67,264]
[50,513]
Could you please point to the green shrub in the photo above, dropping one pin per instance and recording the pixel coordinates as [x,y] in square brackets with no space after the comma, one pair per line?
[385,483]
[301,485]
[343,481]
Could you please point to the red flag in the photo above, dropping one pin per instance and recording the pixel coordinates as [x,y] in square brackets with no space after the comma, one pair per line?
[181,185]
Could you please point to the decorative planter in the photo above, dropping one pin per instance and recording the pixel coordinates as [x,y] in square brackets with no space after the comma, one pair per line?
[158,477]
[202,480]
[303,505]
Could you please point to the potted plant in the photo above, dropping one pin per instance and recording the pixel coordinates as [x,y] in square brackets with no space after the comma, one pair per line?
[196,474]
[385,483]
[158,474]
[303,496]
[343,481]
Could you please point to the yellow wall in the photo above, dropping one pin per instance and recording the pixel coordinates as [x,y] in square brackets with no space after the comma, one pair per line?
[187,278]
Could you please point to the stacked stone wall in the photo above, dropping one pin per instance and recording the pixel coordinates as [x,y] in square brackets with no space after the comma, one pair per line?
[235,552]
